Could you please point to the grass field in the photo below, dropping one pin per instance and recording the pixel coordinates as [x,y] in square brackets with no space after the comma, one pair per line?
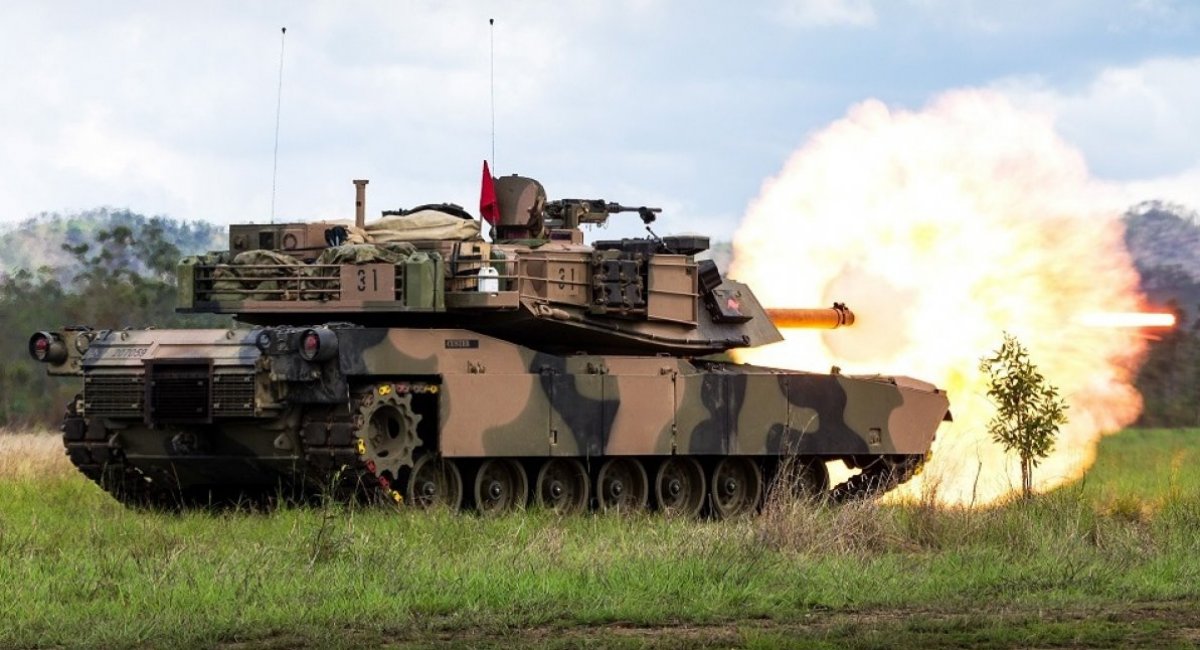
[1113,560]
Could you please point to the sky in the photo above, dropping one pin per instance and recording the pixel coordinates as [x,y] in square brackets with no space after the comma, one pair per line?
[170,108]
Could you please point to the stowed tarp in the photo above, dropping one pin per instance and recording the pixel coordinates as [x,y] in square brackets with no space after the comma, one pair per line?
[417,226]
[252,275]
[394,252]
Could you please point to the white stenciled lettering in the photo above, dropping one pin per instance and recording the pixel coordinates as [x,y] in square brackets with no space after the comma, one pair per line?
[128,353]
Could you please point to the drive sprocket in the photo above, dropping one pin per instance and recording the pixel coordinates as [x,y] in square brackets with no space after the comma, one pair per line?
[364,448]
[385,428]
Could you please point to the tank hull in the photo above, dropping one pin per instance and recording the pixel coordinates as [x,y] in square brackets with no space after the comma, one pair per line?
[206,416]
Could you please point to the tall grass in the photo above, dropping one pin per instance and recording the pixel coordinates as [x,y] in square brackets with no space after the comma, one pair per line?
[76,568]
[32,455]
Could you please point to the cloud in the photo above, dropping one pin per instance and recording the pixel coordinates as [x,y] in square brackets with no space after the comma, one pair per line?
[826,13]
[1138,124]
[170,109]
[1165,16]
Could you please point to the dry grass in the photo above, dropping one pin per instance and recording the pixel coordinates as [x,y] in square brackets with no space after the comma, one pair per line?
[31,454]
[811,526]
[853,529]
[1070,524]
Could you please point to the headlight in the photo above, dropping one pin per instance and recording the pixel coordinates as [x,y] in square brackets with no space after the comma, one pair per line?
[263,342]
[317,345]
[47,348]
[83,340]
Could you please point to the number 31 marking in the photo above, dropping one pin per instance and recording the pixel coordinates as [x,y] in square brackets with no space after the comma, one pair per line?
[362,279]
[562,277]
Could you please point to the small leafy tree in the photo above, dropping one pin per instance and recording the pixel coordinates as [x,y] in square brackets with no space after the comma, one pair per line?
[1028,408]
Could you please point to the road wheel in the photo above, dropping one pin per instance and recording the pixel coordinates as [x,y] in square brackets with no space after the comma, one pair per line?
[679,486]
[736,487]
[434,482]
[562,486]
[622,485]
[501,485]
[798,479]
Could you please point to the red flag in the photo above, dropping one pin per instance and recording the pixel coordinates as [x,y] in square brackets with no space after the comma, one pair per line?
[489,209]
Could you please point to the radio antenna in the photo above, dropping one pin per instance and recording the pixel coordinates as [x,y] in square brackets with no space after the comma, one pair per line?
[492,84]
[278,106]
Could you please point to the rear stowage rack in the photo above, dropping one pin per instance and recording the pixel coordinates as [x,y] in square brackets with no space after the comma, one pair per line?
[465,277]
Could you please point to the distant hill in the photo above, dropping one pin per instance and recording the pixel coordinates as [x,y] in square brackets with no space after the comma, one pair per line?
[1164,241]
[39,241]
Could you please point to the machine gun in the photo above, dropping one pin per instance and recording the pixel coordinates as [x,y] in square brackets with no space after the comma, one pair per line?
[571,213]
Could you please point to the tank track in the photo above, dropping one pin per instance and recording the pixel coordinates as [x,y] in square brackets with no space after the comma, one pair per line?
[335,465]
[94,452]
[877,479]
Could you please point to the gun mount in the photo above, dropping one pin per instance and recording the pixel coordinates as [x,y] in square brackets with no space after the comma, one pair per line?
[572,213]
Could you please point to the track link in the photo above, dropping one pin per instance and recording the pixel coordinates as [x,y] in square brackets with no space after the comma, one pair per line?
[878,478]
[335,465]
[95,452]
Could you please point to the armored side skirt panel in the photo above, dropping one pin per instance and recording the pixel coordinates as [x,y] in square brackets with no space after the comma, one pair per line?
[499,399]
[703,412]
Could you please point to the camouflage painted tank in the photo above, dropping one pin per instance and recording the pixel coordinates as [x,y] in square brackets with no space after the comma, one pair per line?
[409,359]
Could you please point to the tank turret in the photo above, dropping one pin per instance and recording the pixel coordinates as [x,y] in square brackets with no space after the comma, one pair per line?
[536,284]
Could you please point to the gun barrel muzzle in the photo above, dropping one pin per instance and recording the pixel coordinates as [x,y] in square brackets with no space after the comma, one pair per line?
[820,319]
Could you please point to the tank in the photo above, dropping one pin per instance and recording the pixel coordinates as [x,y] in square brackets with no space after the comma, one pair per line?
[411,360]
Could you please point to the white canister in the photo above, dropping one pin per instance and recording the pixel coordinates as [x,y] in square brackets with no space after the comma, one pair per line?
[489,280]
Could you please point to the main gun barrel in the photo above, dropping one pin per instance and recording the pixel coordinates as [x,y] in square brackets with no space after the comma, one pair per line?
[820,319]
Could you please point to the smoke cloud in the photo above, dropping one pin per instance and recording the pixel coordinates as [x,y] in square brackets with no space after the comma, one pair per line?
[943,228]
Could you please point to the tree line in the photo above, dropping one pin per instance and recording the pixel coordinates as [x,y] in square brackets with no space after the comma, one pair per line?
[117,270]
[120,273]
[1169,378]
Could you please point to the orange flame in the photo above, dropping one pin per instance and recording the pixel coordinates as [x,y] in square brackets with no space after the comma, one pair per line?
[942,229]
[1126,319]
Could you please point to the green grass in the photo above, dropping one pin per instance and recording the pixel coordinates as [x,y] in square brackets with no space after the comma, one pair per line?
[1147,465]
[1113,560]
